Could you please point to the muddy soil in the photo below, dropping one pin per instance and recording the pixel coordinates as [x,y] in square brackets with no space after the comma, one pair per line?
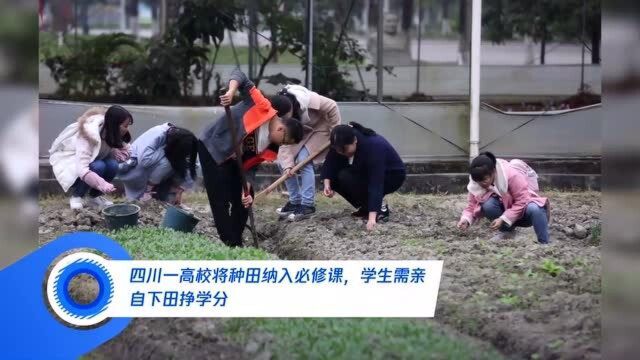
[528,300]
[511,293]
[57,219]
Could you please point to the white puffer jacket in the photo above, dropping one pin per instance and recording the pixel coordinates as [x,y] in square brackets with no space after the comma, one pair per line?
[69,157]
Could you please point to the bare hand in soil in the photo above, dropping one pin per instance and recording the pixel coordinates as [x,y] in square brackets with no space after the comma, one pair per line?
[463,224]
[371,225]
[247,200]
[178,199]
[107,188]
[147,196]
[495,225]
[328,192]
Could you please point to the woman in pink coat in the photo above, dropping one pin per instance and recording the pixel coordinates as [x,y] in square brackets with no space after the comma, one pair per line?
[505,192]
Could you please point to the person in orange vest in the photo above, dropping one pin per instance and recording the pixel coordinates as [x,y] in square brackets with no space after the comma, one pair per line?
[261,131]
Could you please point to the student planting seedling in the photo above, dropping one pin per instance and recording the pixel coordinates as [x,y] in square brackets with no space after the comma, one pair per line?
[319,115]
[505,192]
[362,167]
[162,164]
[86,154]
[259,131]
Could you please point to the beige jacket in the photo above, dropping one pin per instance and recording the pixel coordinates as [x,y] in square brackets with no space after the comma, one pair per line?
[76,147]
[320,117]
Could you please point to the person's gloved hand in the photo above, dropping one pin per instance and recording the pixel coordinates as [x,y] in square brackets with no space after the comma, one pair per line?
[95,181]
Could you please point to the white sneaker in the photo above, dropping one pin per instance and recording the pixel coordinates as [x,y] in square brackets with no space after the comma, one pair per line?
[76,203]
[99,202]
[507,235]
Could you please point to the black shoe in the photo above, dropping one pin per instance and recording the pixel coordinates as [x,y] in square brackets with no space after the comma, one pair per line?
[287,210]
[383,214]
[302,212]
[360,213]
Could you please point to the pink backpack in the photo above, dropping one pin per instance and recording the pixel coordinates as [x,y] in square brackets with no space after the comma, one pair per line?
[528,172]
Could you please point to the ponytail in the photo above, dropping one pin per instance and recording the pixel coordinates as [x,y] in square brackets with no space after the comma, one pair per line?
[295,105]
[343,135]
[363,130]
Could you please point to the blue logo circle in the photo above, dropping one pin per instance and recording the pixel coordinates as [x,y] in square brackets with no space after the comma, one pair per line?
[63,297]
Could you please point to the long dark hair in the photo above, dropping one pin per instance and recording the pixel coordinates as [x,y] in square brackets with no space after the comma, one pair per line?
[482,166]
[181,151]
[110,133]
[343,135]
[294,103]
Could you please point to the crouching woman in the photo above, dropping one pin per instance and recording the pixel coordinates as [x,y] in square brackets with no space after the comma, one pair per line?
[162,165]
[505,192]
[363,167]
[86,154]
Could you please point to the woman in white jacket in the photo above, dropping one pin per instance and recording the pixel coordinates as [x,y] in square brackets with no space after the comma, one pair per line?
[85,155]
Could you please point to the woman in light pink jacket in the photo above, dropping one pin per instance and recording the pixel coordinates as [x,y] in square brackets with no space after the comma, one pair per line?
[505,193]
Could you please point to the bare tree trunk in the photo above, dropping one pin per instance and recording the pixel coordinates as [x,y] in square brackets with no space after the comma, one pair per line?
[84,17]
[530,58]
[407,21]
[543,47]
[446,21]
[595,46]
[465,32]
[365,17]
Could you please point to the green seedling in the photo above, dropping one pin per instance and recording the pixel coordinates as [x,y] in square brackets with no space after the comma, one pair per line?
[510,299]
[551,268]
[596,233]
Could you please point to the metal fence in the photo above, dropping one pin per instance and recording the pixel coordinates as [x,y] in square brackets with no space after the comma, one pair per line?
[412,50]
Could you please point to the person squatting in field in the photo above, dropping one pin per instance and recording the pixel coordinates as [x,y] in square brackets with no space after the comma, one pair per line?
[86,154]
[505,192]
[261,131]
[362,167]
[162,164]
[318,115]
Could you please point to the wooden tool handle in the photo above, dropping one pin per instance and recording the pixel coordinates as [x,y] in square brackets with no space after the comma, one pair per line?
[296,168]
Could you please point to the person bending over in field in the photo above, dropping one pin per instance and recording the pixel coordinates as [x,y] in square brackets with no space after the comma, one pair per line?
[505,192]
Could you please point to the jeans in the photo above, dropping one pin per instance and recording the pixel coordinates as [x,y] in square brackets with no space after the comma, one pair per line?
[106,168]
[302,188]
[534,215]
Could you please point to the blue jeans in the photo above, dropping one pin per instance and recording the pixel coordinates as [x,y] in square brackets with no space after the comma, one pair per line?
[302,188]
[107,169]
[534,215]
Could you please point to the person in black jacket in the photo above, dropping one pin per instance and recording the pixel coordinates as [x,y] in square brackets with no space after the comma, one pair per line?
[260,130]
[362,167]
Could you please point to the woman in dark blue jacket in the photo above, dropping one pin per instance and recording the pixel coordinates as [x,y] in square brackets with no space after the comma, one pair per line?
[362,167]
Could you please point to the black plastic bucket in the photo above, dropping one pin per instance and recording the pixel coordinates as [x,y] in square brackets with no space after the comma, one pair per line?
[118,216]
